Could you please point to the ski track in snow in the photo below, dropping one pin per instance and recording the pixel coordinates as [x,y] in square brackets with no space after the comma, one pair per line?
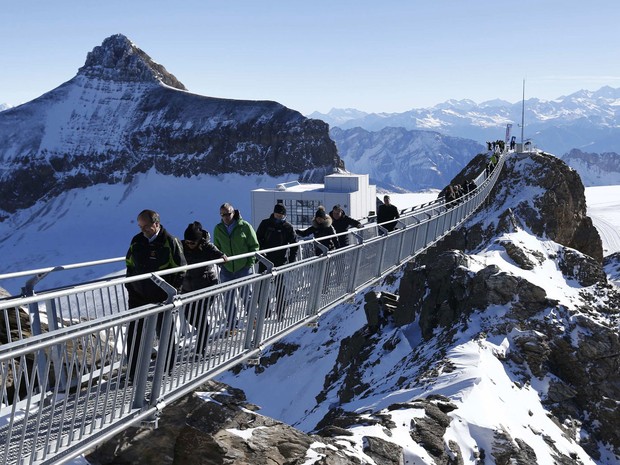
[609,235]
[603,205]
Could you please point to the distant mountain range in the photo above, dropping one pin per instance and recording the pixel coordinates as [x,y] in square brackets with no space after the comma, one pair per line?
[584,120]
[415,150]
[399,158]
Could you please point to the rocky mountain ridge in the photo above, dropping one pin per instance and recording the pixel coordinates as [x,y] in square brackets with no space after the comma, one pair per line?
[595,169]
[123,114]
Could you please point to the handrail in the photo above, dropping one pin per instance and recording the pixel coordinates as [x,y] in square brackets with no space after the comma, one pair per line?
[39,273]
[82,378]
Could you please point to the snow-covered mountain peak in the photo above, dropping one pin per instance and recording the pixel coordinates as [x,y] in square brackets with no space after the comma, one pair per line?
[123,114]
[119,59]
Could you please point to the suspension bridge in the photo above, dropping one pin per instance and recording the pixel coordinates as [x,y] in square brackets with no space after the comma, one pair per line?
[64,372]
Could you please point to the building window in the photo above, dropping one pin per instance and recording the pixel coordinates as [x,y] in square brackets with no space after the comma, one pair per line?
[301,212]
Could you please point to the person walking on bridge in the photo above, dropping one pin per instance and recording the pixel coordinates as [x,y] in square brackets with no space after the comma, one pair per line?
[341,223]
[198,248]
[321,227]
[274,232]
[234,236]
[153,249]
[386,212]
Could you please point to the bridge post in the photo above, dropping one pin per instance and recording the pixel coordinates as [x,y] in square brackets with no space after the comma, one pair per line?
[318,287]
[35,327]
[60,367]
[382,232]
[256,315]
[143,359]
[167,340]
[260,312]
[353,271]
[401,246]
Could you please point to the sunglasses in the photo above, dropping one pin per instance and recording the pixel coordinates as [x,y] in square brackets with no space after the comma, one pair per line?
[225,214]
[191,242]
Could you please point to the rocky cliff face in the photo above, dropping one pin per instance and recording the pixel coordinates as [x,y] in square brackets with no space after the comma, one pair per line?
[216,432]
[124,114]
[538,192]
[567,342]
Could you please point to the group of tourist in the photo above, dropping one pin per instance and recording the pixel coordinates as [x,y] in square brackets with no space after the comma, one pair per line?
[454,192]
[155,249]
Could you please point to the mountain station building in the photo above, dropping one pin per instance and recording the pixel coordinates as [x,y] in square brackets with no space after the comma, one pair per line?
[353,192]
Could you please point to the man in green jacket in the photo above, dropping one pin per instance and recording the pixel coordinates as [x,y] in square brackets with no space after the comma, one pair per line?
[235,236]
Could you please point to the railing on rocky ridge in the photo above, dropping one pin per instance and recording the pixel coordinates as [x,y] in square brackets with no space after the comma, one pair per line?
[67,387]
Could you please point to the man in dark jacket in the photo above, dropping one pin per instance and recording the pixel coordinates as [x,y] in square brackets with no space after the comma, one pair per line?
[341,222]
[276,231]
[152,250]
[387,212]
[273,232]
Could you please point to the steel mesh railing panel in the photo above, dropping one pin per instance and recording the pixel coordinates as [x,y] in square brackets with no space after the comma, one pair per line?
[368,263]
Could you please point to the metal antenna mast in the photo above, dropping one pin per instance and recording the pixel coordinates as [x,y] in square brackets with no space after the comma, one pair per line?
[523,113]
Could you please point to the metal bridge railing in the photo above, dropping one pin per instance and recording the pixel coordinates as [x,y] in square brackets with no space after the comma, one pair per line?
[95,367]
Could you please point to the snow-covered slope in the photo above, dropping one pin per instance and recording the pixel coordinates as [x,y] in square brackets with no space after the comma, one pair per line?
[595,169]
[481,386]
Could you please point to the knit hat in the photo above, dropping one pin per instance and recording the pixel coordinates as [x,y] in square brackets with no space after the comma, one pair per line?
[193,232]
[279,208]
[320,213]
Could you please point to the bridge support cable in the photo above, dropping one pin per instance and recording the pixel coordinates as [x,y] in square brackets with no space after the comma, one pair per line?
[67,387]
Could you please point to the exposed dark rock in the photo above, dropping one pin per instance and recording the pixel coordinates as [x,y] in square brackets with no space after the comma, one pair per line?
[557,209]
[117,59]
[195,432]
[428,432]
[522,257]
[383,452]
[444,293]
[441,307]
[534,348]
[509,451]
[582,268]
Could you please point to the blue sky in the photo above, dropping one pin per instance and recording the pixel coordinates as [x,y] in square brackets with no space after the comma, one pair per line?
[387,56]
